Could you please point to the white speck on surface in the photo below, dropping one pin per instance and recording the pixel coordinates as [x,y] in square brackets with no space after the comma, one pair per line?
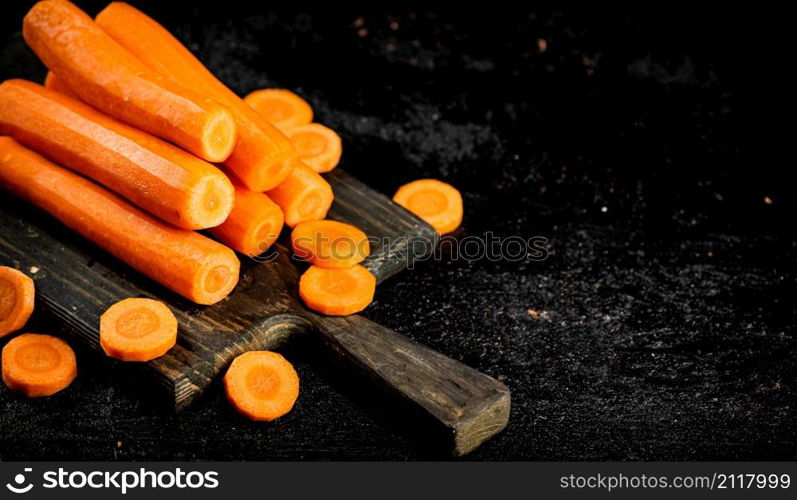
[767,200]
[604,209]
[34,270]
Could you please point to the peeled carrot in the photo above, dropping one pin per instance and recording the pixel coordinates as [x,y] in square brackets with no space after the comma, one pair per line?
[303,196]
[105,75]
[319,147]
[16,300]
[261,385]
[337,292]
[137,330]
[53,83]
[38,365]
[263,157]
[188,263]
[253,225]
[159,177]
[329,243]
[436,202]
[281,107]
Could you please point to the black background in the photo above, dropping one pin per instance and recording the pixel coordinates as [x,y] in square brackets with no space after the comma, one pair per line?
[641,144]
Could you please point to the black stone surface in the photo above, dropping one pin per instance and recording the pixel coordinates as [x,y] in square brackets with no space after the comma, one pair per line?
[660,327]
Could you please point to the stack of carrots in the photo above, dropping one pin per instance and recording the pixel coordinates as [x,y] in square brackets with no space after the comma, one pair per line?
[135,145]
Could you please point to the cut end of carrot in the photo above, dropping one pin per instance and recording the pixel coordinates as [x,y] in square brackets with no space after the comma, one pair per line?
[38,365]
[434,201]
[262,385]
[219,136]
[137,330]
[337,292]
[329,243]
[17,293]
[304,196]
[281,107]
[210,203]
[319,147]
[217,278]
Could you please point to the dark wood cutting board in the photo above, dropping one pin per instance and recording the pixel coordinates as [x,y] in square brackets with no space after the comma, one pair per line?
[77,282]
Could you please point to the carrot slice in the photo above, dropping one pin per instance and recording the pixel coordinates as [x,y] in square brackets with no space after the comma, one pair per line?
[263,156]
[436,202]
[253,225]
[108,77]
[261,385]
[38,365]
[337,292]
[319,147]
[53,83]
[16,300]
[303,196]
[159,177]
[329,243]
[281,107]
[196,267]
[137,330]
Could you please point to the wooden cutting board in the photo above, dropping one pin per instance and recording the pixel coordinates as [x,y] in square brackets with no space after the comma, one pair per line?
[77,282]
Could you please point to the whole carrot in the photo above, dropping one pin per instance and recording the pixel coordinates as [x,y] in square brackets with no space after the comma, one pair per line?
[155,175]
[188,263]
[263,157]
[107,76]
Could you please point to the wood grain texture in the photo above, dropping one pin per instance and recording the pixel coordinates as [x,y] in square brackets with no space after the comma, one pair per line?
[77,282]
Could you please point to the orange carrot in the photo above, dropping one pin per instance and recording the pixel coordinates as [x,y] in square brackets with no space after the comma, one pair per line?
[328,243]
[53,83]
[137,330]
[253,225]
[38,365]
[337,292]
[281,107]
[261,385]
[436,202]
[263,157]
[192,265]
[16,300]
[303,196]
[319,147]
[105,75]
[159,177]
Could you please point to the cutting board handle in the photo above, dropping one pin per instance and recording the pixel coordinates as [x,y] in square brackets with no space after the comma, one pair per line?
[468,405]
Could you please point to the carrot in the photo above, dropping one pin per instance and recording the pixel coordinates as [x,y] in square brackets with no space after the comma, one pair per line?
[319,147]
[253,225]
[188,263]
[158,177]
[263,157]
[281,107]
[137,330]
[53,83]
[436,202]
[328,243]
[38,365]
[16,300]
[261,385]
[337,292]
[105,75]
[303,196]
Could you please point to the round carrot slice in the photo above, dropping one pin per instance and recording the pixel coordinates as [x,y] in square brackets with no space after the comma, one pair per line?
[16,300]
[261,385]
[38,365]
[319,147]
[337,292]
[281,107]
[137,330]
[329,243]
[436,202]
